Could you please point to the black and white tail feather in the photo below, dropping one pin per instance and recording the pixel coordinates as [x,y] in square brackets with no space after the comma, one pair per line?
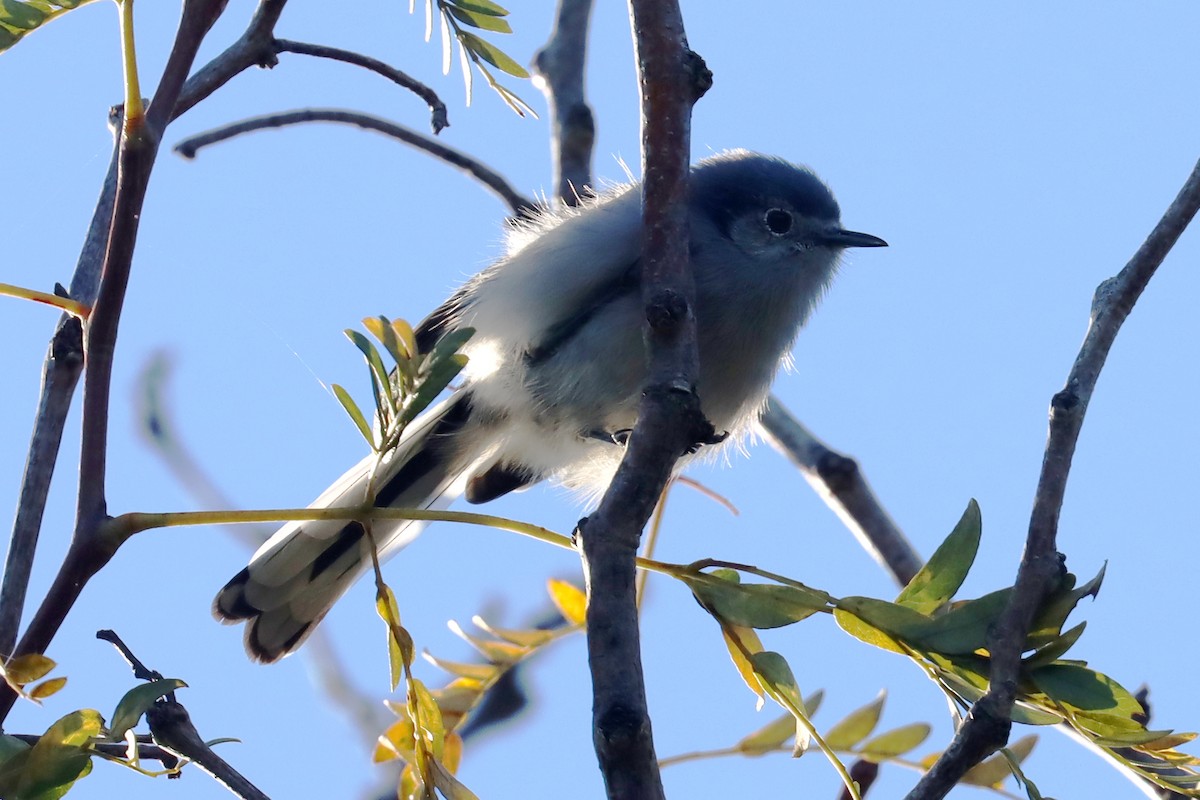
[556,369]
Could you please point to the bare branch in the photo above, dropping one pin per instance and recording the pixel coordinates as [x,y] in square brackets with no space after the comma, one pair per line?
[255,47]
[90,547]
[669,420]
[519,204]
[146,749]
[573,128]
[839,481]
[986,727]
[437,108]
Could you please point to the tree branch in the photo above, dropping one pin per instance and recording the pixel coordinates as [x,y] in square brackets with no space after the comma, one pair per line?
[669,417]
[560,64]
[437,108]
[986,727]
[90,547]
[519,204]
[839,481]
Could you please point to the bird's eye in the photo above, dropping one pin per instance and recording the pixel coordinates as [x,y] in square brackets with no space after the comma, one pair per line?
[778,221]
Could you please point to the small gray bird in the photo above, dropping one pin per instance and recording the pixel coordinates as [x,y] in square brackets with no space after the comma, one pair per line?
[557,367]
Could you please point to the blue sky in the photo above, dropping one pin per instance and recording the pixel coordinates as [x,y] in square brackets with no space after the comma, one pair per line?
[1013,159]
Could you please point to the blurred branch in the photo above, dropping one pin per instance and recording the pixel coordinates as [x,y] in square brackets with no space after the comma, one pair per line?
[839,481]
[437,108]
[986,728]
[560,64]
[519,204]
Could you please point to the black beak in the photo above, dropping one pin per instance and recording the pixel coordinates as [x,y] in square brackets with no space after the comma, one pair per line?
[837,237]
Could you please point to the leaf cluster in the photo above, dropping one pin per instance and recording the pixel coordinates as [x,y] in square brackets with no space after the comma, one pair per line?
[949,640]
[47,769]
[483,15]
[407,389]
[426,734]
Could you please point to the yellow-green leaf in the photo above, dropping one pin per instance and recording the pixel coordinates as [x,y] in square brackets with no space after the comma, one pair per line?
[26,669]
[569,599]
[479,672]
[856,726]
[397,742]
[742,644]
[769,737]
[496,652]
[994,771]
[895,742]
[492,54]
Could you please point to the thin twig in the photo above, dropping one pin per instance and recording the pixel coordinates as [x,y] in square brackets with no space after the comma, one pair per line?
[518,203]
[838,480]
[437,108]
[987,726]
[573,127]
[118,751]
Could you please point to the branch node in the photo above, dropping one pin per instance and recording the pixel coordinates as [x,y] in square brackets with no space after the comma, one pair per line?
[666,310]
[700,77]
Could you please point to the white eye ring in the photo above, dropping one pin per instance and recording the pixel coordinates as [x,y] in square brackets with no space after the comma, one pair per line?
[778,221]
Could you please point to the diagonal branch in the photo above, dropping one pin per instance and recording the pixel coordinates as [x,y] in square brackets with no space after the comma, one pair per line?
[839,481]
[987,726]
[503,189]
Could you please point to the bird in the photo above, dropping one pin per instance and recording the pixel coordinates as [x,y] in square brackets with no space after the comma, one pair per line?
[556,368]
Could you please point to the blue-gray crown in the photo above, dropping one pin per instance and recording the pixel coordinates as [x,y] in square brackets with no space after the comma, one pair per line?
[726,186]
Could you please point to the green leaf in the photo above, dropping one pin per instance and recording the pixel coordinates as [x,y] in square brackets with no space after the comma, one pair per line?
[1086,690]
[895,742]
[1055,648]
[481,7]
[379,374]
[856,726]
[137,701]
[964,628]
[757,605]
[23,16]
[943,574]
[492,54]
[487,22]
[1056,608]
[356,415]
[898,622]
[779,682]
[17,18]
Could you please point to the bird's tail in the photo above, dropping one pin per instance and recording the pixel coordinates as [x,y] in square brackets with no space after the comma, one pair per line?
[300,572]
